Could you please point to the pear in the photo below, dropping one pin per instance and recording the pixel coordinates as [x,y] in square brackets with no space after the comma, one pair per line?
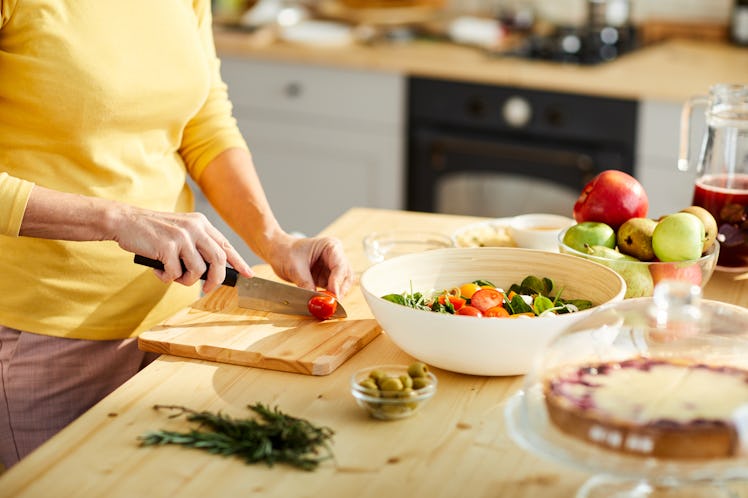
[710,224]
[636,273]
[634,238]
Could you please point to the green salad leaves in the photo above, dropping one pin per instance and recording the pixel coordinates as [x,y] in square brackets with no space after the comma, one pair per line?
[534,296]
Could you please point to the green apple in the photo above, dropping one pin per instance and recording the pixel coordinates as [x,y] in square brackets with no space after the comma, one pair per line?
[710,224]
[638,279]
[589,233]
[678,237]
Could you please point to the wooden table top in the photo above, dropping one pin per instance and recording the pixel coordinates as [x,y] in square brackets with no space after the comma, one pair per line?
[457,446]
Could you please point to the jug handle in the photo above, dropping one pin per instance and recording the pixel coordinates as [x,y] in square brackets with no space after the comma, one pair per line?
[684,159]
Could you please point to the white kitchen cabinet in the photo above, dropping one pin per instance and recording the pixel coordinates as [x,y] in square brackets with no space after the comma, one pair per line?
[658,143]
[323,140]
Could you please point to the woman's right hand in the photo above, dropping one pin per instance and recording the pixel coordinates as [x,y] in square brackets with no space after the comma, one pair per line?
[176,238]
[172,238]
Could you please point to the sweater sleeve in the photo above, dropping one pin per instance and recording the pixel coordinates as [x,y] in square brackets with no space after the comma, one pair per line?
[213,129]
[14,194]
[6,8]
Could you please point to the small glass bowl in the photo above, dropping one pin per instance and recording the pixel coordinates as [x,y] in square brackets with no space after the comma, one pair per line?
[385,245]
[391,404]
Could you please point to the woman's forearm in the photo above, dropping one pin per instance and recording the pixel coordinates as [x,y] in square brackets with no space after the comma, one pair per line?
[186,243]
[231,184]
[58,215]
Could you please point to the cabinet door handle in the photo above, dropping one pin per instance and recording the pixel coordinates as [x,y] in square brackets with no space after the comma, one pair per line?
[293,89]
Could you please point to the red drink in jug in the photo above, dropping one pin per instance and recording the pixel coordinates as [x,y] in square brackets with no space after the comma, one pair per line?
[726,197]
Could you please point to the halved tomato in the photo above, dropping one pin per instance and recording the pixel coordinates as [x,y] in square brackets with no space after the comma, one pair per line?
[457,302]
[487,298]
[496,312]
[468,310]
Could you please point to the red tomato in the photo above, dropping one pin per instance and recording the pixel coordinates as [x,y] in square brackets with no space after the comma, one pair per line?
[468,310]
[496,312]
[322,307]
[457,302]
[487,298]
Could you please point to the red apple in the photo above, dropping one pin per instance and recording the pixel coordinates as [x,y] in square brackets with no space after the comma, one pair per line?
[676,271]
[612,197]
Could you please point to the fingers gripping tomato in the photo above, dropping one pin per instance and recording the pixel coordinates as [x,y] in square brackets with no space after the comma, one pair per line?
[486,298]
[323,306]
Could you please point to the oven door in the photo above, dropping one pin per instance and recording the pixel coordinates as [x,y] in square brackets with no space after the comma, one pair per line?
[481,174]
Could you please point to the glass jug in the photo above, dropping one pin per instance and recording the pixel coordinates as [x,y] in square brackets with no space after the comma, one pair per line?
[721,184]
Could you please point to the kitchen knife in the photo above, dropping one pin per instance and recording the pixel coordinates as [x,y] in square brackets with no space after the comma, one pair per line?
[260,294]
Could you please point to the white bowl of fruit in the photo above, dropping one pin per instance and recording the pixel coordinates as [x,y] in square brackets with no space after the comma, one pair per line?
[613,229]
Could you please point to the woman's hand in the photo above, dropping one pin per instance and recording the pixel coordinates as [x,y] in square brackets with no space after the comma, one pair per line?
[176,239]
[312,262]
[171,238]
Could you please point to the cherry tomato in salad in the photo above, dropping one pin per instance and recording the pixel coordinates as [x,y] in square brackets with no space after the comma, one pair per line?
[468,310]
[457,302]
[496,312]
[323,306]
[486,298]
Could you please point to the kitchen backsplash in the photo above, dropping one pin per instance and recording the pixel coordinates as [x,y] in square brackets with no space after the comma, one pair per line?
[575,11]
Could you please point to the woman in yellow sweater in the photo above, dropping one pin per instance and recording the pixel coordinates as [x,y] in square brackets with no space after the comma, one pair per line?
[105,107]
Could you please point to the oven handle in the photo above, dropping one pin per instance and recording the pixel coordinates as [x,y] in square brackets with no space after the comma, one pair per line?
[583,162]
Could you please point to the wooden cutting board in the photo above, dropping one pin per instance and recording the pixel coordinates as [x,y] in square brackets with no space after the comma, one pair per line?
[215,328]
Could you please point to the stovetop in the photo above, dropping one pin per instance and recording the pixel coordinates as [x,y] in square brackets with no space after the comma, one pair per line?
[578,45]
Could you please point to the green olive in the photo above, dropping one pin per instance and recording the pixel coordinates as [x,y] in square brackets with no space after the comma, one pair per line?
[407,381]
[418,369]
[393,409]
[421,382]
[391,384]
[370,385]
[377,375]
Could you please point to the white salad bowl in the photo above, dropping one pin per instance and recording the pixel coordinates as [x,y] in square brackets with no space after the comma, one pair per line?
[481,346]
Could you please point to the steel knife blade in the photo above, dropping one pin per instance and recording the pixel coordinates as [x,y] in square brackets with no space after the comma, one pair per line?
[261,294]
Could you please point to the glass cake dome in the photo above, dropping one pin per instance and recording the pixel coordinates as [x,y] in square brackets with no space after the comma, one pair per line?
[649,394]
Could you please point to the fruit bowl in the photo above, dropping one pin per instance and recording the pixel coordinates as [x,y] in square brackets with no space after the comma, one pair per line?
[642,276]
[472,345]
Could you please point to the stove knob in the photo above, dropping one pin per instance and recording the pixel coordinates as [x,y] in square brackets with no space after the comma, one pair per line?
[517,112]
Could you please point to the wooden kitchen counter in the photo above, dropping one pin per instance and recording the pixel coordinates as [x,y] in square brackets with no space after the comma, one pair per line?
[457,446]
[670,71]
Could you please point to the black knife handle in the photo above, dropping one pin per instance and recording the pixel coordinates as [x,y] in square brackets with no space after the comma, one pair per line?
[231,274]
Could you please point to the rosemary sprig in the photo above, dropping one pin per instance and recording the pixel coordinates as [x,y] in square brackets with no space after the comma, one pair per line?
[270,437]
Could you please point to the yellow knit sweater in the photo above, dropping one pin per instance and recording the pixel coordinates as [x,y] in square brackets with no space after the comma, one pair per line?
[115,99]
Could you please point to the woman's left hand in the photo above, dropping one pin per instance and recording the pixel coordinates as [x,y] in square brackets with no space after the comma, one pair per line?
[312,262]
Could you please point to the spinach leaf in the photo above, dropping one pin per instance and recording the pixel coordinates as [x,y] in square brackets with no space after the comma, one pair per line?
[518,305]
[541,304]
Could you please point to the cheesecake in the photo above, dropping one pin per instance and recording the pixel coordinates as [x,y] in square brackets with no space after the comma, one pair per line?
[650,407]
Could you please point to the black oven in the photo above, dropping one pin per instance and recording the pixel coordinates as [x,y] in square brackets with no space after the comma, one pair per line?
[488,150]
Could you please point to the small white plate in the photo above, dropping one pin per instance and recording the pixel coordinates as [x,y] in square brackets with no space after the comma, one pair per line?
[490,233]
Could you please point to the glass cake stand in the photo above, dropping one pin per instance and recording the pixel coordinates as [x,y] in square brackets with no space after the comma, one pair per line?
[674,323]
[617,475]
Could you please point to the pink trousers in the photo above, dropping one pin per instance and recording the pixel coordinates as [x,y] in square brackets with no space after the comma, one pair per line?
[46,382]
